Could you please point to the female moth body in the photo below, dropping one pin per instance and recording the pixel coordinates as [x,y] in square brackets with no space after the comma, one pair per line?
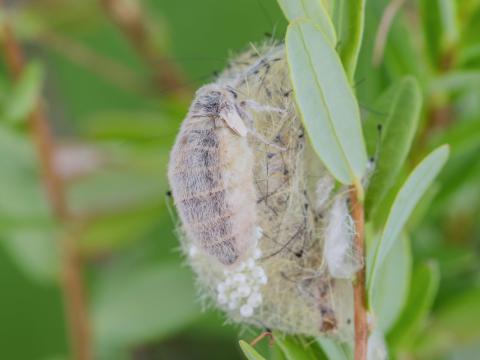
[226,188]
[211,175]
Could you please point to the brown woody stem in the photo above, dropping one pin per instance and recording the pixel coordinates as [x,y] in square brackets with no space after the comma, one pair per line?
[359,289]
[263,335]
[72,284]
[133,22]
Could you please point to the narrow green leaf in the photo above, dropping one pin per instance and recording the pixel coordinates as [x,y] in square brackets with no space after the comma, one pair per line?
[431,28]
[249,352]
[117,230]
[21,192]
[276,353]
[383,105]
[310,9]
[468,15]
[421,211]
[329,109]
[425,281]
[335,350]
[461,136]
[135,126]
[405,201]
[145,304]
[134,183]
[401,54]
[348,19]
[34,251]
[295,350]
[456,323]
[455,81]
[27,229]
[448,16]
[463,167]
[461,315]
[398,130]
[469,55]
[25,93]
[391,289]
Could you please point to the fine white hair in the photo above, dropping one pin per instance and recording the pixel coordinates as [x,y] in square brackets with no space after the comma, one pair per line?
[341,254]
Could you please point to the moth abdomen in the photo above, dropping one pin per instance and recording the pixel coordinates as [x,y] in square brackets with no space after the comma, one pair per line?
[198,210]
[199,181]
[199,188]
[225,251]
[211,173]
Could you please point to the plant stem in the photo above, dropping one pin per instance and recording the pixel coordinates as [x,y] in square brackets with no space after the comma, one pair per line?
[132,21]
[384,28]
[359,289]
[102,66]
[72,284]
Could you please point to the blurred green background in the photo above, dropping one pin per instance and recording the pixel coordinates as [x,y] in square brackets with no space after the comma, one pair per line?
[114,127]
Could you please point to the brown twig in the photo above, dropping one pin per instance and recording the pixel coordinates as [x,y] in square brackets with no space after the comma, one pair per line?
[74,294]
[384,28]
[102,66]
[263,335]
[72,284]
[359,289]
[133,22]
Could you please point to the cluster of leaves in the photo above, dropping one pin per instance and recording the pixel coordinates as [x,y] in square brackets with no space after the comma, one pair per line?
[322,78]
[398,300]
[422,233]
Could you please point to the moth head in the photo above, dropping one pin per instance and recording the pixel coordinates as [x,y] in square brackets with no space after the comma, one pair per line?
[220,101]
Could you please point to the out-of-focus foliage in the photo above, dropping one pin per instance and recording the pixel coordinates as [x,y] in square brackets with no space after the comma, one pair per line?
[115,129]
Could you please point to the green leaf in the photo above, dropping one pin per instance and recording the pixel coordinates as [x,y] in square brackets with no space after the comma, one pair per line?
[405,201]
[276,353]
[402,106]
[27,227]
[130,126]
[348,19]
[455,81]
[425,281]
[21,191]
[295,350]
[249,352]
[460,170]
[34,251]
[455,324]
[424,205]
[118,230]
[383,105]
[25,93]
[119,188]
[391,289]
[470,54]
[329,110]
[401,54]
[431,28]
[463,165]
[450,30]
[460,315]
[461,136]
[145,304]
[335,350]
[310,9]
[441,30]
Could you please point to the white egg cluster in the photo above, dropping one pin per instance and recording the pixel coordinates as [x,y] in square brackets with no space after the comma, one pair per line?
[241,287]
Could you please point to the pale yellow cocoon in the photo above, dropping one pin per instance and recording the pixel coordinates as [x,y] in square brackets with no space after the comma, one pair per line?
[279,278]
